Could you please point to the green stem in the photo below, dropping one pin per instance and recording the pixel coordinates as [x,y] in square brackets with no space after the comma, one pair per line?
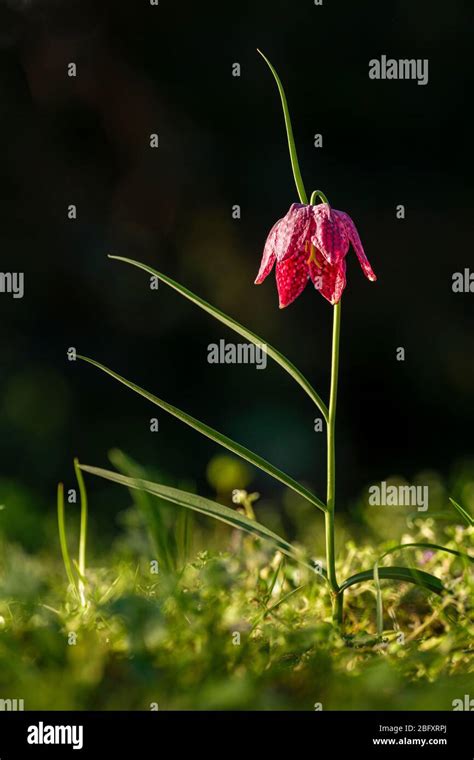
[289,133]
[83,529]
[331,456]
[331,417]
[318,194]
[63,539]
[338,609]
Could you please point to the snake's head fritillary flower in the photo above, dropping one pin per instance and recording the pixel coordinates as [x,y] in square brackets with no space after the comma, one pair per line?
[311,242]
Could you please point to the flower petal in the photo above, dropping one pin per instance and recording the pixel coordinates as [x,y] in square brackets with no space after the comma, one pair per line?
[357,245]
[291,277]
[294,231]
[328,279]
[330,235]
[268,258]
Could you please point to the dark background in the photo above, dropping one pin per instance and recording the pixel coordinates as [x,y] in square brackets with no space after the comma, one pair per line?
[167,69]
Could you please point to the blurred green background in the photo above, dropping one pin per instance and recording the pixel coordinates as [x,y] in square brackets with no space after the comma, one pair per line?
[168,69]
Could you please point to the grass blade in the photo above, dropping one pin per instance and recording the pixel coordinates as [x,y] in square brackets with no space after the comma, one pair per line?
[214,435]
[401,547]
[162,541]
[379,600]
[204,506]
[63,540]
[289,133]
[463,512]
[405,574]
[236,327]
[273,581]
[82,530]
[268,610]
[425,545]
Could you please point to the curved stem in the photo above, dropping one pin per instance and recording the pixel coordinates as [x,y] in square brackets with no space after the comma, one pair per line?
[289,133]
[331,455]
[318,194]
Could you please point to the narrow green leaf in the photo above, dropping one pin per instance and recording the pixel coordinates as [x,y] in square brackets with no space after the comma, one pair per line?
[214,435]
[63,540]
[289,133]
[204,506]
[236,327]
[163,542]
[274,579]
[82,531]
[379,600]
[425,545]
[402,547]
[405,574]
[81,577]
[463,512]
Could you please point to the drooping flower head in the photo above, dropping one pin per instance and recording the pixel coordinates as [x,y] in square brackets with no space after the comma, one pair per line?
[311,242]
